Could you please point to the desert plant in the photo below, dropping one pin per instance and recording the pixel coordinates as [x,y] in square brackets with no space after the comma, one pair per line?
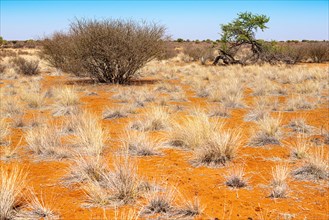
[67,101]
[316,167]
[108,50]
[156,118]
[45,142]
[279,186]
[300,148]
[89,134]
[118,187]
[269,133]
[318,52]
[4,130]
[139,144]
[26,67]
[218,150]
[193,132]
[299,125]
[12,184]
[117,112]
[189,208]
[160,202]
[235,178]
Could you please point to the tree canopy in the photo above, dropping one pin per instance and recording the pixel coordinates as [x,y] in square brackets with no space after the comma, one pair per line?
[241,32]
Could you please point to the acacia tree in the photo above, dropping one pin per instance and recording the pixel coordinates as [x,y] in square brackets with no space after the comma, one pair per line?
[238,34]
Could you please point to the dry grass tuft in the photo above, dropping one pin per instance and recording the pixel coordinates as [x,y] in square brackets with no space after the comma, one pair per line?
[156,118]
[235,177]
[139,144]
[299,125]
[4,131]
[160,202]
[45,142]
[218,150]
[118,187]
[316,168]
[84,169]
[279,185]
[190,208]
[300,148]
[119,112]
[89,134]
[193,132]
[269,132]
[12,185]
[66,101]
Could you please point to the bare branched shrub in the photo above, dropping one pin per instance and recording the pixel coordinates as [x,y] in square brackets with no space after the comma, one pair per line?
[318,52]
[108,50]
[26,67]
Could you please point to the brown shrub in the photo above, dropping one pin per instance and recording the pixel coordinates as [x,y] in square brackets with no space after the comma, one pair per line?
[108,50]
[26,67]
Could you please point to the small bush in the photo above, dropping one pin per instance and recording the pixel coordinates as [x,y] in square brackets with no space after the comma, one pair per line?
[26,67]
[318,52]
[109,51]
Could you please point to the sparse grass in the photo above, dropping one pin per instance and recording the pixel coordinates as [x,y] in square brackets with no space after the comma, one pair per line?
[84,169]
[37,209]
[160,202]
[89,135]
[316,167]
[298,103]
[235,177]
[4,131]
[269,132]
[118,112]
[156,118]
[256,114]
[118,187]
[279,184]
[218,150]
[300,148]
[193,132]
[66,101]
[219,111]
[45,142]
[299,125]
[139,144]
[12,184]
[34,100]
[189,209]
[11,107]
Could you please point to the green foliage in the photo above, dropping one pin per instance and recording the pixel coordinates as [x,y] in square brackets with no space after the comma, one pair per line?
[180,40]
[243,28]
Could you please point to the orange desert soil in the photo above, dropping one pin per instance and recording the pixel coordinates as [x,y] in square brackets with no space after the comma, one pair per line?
[306,200]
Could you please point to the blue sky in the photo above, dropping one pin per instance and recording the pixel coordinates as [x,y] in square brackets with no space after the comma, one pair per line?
[21,20]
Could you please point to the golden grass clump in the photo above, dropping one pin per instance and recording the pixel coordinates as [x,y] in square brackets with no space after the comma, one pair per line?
[139,144]
[89,134]
[66,101]
[316,168]
[12,184]
[45,142]
[279,184]
[269,132]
